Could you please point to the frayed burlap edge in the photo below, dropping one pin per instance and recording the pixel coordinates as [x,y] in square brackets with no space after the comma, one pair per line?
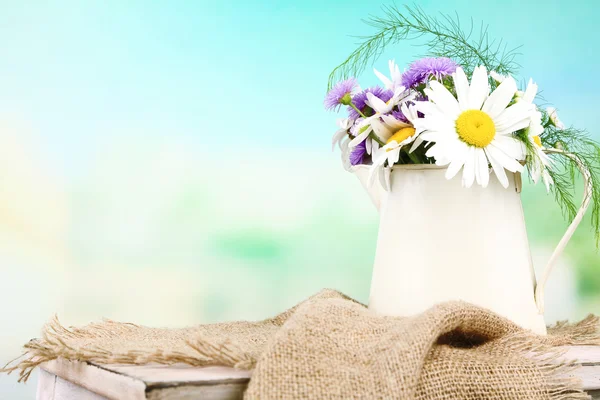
[53,344]
[549,359]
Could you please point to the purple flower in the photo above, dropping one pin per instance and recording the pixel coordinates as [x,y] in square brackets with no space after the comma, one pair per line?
[360,99]
[421,70]
[358,153]
[340,94]
[399,115]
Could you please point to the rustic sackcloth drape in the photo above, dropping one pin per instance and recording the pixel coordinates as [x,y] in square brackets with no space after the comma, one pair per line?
[332,347]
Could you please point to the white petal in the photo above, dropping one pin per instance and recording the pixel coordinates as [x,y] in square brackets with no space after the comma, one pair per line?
[427,108]
[357,140]
[374,146]
[337,137]
[512,128]
[418,141]
[477,169]
[530,92]
[410,112]
[395,73]
[346,123]
[484,171]
[376,103]
[368,146]
[380,157]
[479,89]
[512,115]
[503,159]
[469,170]
[344,144]
[497,77]
[457,162]
[499,99]
[394,156]
[393,123]
[553,115]
[438,123]
[461,83]
[444,100]
[381,130]
[513,148]
[498,170]
[547,180]
[386,82]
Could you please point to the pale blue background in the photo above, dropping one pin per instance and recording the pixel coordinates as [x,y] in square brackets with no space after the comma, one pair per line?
[181,148]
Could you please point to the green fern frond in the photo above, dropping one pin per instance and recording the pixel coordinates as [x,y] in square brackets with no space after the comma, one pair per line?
[444,35]
[565,171]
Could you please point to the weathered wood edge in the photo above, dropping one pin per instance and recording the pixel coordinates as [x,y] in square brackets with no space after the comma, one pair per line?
[97,380]
[116,384]
[588,357]
[584,355]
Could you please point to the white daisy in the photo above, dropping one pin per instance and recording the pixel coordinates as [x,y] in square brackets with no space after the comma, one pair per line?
[361,131]
[525,99]
[385,107]
[342,133]
[401,134]
[529,94]
[475,129]
[554,118]
[373,123]
[541,163]
[395,79]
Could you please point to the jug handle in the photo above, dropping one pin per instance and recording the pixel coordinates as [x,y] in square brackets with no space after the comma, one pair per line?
[539,290]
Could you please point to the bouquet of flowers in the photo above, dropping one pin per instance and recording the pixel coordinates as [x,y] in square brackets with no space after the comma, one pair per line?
[458,107]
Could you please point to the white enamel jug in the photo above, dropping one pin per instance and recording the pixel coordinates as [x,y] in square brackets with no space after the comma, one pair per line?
[439,241]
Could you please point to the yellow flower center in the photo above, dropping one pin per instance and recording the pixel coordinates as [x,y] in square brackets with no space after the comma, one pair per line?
[537,140]
[476,128]
[401,135]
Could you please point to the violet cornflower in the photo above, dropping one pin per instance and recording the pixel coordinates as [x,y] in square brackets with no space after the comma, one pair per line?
[421,70]
[357,154]
[360,99]
[340,94]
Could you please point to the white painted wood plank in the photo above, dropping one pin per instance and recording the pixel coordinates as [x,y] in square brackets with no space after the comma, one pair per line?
[65,390]
[45,387]
[590,376]
[97,380]
[583,354]
[139,382]
[589,359]
[177,373]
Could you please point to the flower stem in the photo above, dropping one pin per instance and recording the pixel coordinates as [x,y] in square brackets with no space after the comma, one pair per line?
[357,110]
[413,157]
[376,138]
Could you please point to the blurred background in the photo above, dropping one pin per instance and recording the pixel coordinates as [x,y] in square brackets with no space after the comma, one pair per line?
[169,163]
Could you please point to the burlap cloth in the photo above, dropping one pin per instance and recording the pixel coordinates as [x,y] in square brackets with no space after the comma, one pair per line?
[333,347]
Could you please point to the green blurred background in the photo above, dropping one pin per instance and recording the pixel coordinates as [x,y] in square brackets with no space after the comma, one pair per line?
[169,163]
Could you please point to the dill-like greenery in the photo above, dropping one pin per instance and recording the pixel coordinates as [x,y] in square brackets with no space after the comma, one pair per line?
[564,172]
[444,38]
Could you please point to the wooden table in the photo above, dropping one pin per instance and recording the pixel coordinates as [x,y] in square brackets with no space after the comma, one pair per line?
[65,380]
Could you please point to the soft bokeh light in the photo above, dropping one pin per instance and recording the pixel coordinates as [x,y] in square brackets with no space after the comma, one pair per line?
[169,163]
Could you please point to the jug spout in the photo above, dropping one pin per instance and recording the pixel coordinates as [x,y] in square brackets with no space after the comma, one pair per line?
[374,190]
